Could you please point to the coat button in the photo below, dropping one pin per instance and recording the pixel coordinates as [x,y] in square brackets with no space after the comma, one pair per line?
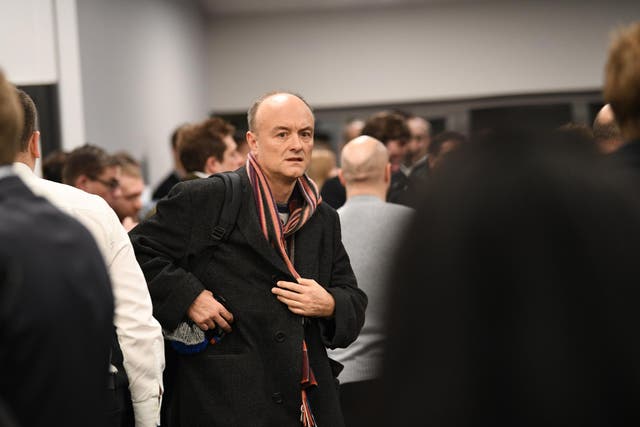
[277,397]
[280,336]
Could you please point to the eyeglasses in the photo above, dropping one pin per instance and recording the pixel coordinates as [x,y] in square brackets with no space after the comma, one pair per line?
[111,184]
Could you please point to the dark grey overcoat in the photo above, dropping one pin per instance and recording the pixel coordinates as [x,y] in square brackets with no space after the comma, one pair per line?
[252,377]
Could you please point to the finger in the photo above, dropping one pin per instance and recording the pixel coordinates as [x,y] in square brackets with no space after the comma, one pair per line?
[223,323]
[289,302]
[306,282]
[226,314]
[206,324]
[295,287]
[287,294]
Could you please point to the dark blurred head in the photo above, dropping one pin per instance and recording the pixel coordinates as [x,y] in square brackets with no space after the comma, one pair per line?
[515,298]
[53,164]
[442,144]
[622,80]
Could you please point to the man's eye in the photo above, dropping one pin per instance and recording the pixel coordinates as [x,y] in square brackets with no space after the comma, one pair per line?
[281,135]
[306,134]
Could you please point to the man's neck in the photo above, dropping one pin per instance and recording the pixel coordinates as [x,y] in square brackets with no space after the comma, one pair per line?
[280,188]
[26,159]
[367,190]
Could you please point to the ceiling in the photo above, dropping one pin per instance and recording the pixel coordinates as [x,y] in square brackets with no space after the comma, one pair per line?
[232,7]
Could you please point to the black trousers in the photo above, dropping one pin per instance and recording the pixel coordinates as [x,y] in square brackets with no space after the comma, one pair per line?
[355,400]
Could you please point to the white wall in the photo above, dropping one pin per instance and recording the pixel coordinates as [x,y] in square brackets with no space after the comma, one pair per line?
[431,52]
[144,72]
[27,41]
[38,46]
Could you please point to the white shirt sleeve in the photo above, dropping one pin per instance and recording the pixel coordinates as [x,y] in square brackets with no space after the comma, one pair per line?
[139,333]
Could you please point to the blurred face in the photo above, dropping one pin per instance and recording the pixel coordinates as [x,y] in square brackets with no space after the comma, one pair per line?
[283,138]
[397,152]
[231,159]
[419,142]
[105,185]
[130,201]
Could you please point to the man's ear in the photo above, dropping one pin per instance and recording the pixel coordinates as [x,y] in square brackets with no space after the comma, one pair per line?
[34,145]
[252,140]
[341,178]
[387,173]
[81,182]
[211,166]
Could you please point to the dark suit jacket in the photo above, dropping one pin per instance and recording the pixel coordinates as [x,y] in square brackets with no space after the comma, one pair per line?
[251,378]
[56,314]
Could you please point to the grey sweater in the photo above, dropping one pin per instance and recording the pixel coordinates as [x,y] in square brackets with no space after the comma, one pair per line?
[371,234]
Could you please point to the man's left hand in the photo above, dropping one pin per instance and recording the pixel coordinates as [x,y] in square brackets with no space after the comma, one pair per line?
[305,298]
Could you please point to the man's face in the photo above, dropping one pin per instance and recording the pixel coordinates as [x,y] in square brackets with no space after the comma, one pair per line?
[231,159]
[283,138]
[106,185]
[130,201]
[419,142]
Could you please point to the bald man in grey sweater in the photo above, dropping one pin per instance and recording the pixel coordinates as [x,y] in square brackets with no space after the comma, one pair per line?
[371,233]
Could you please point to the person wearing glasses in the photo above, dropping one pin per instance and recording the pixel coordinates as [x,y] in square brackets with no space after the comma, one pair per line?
[91,169]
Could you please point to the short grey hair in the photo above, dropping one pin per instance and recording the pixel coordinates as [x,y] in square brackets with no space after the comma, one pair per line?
[251,114]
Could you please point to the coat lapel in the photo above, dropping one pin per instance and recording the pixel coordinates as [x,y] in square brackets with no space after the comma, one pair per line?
[249,226]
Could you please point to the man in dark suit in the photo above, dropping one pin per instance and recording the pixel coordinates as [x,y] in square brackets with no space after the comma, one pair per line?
[283,275]
[56,306]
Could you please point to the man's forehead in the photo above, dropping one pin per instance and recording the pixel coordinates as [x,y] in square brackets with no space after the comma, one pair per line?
[284,110]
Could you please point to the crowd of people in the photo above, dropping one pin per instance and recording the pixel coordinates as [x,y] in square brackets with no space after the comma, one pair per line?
[421,279]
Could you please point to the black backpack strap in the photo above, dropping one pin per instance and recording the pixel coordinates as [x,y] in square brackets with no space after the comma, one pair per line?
[230,207]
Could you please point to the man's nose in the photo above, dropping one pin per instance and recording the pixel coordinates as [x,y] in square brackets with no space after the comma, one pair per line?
[296,143]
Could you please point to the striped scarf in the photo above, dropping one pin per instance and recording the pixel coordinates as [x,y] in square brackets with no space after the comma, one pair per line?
[279,236]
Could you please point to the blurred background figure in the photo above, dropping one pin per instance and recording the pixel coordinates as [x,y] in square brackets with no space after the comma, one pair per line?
[176,175]
[91,169]
[207,148]
[415,162]
[514,301]
[606,131]
[371,233]
[129,204]
[323,165]
[242,146]
[53,164]
[332,191]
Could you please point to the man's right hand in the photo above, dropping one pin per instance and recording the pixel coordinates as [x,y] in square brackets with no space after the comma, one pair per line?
[206,312]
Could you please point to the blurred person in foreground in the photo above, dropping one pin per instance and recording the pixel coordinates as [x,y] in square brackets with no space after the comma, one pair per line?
[372,230]
[622,91]
[515,297]
[137,357]
[56,305]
